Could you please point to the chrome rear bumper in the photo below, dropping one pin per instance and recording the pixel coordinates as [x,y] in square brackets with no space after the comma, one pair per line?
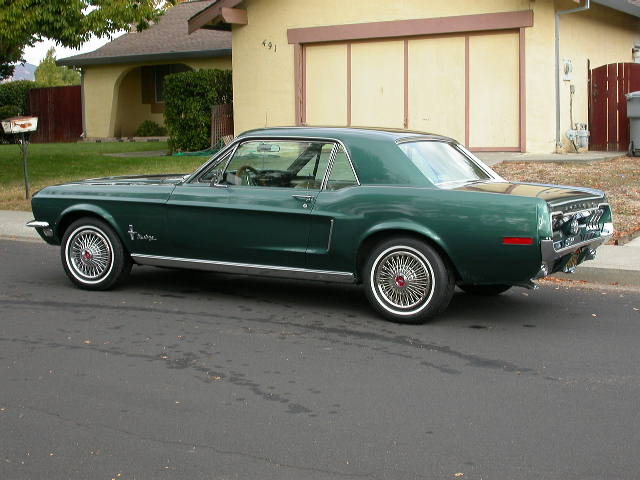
[587,252]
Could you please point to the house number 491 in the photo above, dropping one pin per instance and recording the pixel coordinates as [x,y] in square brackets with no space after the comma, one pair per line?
[270,45]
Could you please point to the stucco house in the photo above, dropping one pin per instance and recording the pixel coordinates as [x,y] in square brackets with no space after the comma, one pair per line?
[122,81]
[483,72]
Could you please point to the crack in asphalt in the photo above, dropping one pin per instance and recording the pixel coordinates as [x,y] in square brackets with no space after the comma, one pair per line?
[212,448]
[187,361]
[472,360]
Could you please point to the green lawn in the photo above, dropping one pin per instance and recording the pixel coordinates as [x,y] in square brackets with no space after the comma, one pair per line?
[62,162]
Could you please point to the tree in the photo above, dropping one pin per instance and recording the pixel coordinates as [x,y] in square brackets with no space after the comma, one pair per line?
[51,75]
[68,22]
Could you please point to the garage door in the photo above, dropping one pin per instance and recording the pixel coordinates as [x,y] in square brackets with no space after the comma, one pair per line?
[494,89]
[466,86]
[326,85]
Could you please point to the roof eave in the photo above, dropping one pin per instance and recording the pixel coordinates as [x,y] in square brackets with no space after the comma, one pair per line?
[81,62]
[210,15]
[628,7]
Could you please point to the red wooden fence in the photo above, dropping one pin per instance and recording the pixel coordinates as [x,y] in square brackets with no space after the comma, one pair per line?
[608,120]
[59,112]
[221,122]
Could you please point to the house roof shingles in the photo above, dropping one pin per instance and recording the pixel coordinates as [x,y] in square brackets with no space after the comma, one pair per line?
[165,40]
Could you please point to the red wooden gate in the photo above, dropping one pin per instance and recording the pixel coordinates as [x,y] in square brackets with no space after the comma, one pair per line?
[608,120]
[59,112]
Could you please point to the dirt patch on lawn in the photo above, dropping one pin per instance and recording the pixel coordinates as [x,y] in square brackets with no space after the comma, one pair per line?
[619,178]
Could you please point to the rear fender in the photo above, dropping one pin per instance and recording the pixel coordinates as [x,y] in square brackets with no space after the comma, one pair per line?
[409,228]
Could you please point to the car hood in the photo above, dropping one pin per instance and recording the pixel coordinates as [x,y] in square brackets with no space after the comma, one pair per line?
[170,179]
[554,195]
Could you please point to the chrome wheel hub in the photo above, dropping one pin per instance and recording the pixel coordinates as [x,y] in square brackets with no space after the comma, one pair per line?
[403,279]
[89,254]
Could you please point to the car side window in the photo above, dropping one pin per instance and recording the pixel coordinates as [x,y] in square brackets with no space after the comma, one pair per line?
[282,163]
[342,175]
[214,170]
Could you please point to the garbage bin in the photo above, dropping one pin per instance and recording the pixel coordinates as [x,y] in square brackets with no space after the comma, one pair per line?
[633,113]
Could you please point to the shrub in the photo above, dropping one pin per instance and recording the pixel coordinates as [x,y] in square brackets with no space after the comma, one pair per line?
[149,128]
[17,93]
[189,97]
[7,111]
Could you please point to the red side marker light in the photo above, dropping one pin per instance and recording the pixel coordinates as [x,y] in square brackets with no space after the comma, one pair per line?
[517,241]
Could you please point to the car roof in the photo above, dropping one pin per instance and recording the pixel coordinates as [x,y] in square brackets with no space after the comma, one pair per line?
[372,151]
[346,133]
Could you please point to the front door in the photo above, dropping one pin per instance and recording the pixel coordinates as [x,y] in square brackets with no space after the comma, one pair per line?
[258,212]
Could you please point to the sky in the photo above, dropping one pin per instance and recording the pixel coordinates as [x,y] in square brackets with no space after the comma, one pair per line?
[36,53]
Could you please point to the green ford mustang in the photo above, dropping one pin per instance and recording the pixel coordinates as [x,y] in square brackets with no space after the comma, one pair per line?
[409,215]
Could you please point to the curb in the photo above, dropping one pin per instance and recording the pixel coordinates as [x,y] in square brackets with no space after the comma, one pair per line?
[628,238]
[20,238]
[609,276]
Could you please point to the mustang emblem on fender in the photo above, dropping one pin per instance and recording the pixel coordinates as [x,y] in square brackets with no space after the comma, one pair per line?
[140,236]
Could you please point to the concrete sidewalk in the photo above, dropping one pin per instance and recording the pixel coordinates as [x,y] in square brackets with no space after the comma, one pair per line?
[613,264]
[12,225]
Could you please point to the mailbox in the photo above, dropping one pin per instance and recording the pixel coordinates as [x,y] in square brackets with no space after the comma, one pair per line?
[20,124]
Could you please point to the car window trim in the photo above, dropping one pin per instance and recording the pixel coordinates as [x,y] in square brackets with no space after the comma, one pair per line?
[334,154]
[211,163]
[251,138]
[296,139]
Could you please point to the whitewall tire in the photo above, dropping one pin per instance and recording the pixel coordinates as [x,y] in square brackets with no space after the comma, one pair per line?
[407,281]
[93,256]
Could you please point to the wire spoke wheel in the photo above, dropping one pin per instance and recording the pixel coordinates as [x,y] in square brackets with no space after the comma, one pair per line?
[89,254]
[403,279]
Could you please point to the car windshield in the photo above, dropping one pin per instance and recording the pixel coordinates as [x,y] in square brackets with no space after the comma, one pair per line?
[443,164]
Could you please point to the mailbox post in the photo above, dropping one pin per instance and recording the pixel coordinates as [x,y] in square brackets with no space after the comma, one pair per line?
[22,126]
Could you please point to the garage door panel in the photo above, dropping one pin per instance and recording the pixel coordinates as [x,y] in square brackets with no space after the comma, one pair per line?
[377,84]
[494,90]
[326,85]
[437,86]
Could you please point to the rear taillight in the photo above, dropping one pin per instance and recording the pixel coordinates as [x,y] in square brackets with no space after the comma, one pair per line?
[517,241]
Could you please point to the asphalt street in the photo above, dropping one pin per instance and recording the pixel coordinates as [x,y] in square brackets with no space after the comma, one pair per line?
[187,375]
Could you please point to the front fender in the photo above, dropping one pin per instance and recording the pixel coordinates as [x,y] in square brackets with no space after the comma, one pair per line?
[87,208]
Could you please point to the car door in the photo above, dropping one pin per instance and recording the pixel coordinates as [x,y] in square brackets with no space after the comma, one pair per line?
[256,210]
[340,213]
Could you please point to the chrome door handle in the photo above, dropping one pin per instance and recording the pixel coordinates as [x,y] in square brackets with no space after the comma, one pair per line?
[303,198]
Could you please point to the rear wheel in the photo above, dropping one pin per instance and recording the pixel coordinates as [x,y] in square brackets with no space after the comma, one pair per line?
[93,256]
[407,281]
[485,290]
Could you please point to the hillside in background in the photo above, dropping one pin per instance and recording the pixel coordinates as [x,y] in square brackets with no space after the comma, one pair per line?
[22,72]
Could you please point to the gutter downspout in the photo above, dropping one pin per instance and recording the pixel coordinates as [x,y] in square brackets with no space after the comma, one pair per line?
[586,6]
[84,116]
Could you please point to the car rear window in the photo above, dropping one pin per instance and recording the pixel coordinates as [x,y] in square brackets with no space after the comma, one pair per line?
[443,164]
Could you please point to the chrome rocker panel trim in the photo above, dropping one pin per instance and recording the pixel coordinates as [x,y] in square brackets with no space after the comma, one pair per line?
[244,268]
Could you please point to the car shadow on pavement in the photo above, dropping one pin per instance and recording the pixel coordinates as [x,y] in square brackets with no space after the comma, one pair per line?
[339,299]
[510,308]
[296,293]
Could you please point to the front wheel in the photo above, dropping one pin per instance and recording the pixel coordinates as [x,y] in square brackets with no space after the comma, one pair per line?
[407,281]
[93,256]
